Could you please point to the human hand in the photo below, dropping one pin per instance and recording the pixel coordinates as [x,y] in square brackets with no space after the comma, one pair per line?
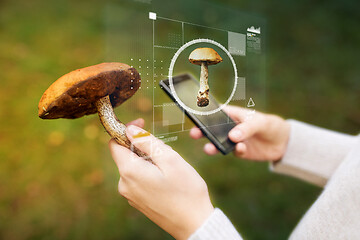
[169,192]
[258,136]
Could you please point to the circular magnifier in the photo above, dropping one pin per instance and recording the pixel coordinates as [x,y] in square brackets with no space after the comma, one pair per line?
[171,68]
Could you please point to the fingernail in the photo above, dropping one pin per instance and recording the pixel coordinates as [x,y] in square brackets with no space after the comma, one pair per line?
[209,149]
[136,121]
[206,147]
[236,134]
[136,132]
[139,120]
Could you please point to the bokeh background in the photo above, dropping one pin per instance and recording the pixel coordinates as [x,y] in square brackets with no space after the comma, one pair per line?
[57,179]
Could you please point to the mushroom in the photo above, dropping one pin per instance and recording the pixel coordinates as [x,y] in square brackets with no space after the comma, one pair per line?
[204,57]
[93,89]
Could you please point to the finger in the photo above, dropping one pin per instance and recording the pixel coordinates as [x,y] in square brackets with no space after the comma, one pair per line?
[196,133]
[244,130]
[122,156]
[210,149]
[122,188]
[240,150]
[236,133]
[130,165]
[137,122]
[237,114]
[147,143]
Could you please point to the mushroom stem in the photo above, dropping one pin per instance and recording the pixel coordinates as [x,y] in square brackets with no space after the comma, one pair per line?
[203,94]
[114,127]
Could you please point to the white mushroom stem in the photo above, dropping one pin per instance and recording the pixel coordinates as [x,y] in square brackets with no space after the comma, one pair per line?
[114,127]
[203,94]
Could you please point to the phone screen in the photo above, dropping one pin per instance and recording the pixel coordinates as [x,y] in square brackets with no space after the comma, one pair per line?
[215,126]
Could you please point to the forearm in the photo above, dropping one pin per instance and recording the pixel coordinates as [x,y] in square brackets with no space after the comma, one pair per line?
[216,227]
[313,153]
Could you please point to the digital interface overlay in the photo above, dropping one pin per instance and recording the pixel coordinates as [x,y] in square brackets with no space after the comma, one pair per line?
[156,38]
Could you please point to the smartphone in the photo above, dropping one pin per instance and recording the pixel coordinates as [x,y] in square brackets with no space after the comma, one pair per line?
[215,126]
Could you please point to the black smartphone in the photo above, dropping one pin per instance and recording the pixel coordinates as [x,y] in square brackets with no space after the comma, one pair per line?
[215,126]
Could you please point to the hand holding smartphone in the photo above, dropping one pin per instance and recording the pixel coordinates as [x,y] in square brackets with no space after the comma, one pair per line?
[215,126]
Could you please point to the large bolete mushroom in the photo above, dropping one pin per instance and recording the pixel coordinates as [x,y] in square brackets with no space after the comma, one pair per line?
[204,57]
[98,88]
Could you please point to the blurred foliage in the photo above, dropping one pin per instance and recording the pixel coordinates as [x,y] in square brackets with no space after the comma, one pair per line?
[57,178]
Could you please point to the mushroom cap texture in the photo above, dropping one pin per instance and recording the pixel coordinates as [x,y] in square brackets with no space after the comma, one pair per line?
[208,55]
[74,94]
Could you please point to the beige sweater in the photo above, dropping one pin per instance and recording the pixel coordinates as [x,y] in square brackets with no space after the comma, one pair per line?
[321,157]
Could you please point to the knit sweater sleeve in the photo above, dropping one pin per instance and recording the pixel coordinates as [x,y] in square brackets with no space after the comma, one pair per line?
[336,212]
[216,227]
[313,154]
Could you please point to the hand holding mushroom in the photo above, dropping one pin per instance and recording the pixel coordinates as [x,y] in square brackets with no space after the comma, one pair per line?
[93,89]
[204,57]
[170,192]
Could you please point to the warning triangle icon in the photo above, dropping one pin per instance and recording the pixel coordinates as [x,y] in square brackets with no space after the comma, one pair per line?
[251,103]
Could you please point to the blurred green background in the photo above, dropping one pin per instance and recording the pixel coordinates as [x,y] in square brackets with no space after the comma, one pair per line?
[57,179]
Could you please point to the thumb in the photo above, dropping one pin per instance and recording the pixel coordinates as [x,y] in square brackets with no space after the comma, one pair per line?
[147,143]
[243,131]
[120,155]
[237,114]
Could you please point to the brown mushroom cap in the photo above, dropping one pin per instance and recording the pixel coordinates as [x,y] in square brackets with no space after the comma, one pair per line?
[208,55]
[74,94]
